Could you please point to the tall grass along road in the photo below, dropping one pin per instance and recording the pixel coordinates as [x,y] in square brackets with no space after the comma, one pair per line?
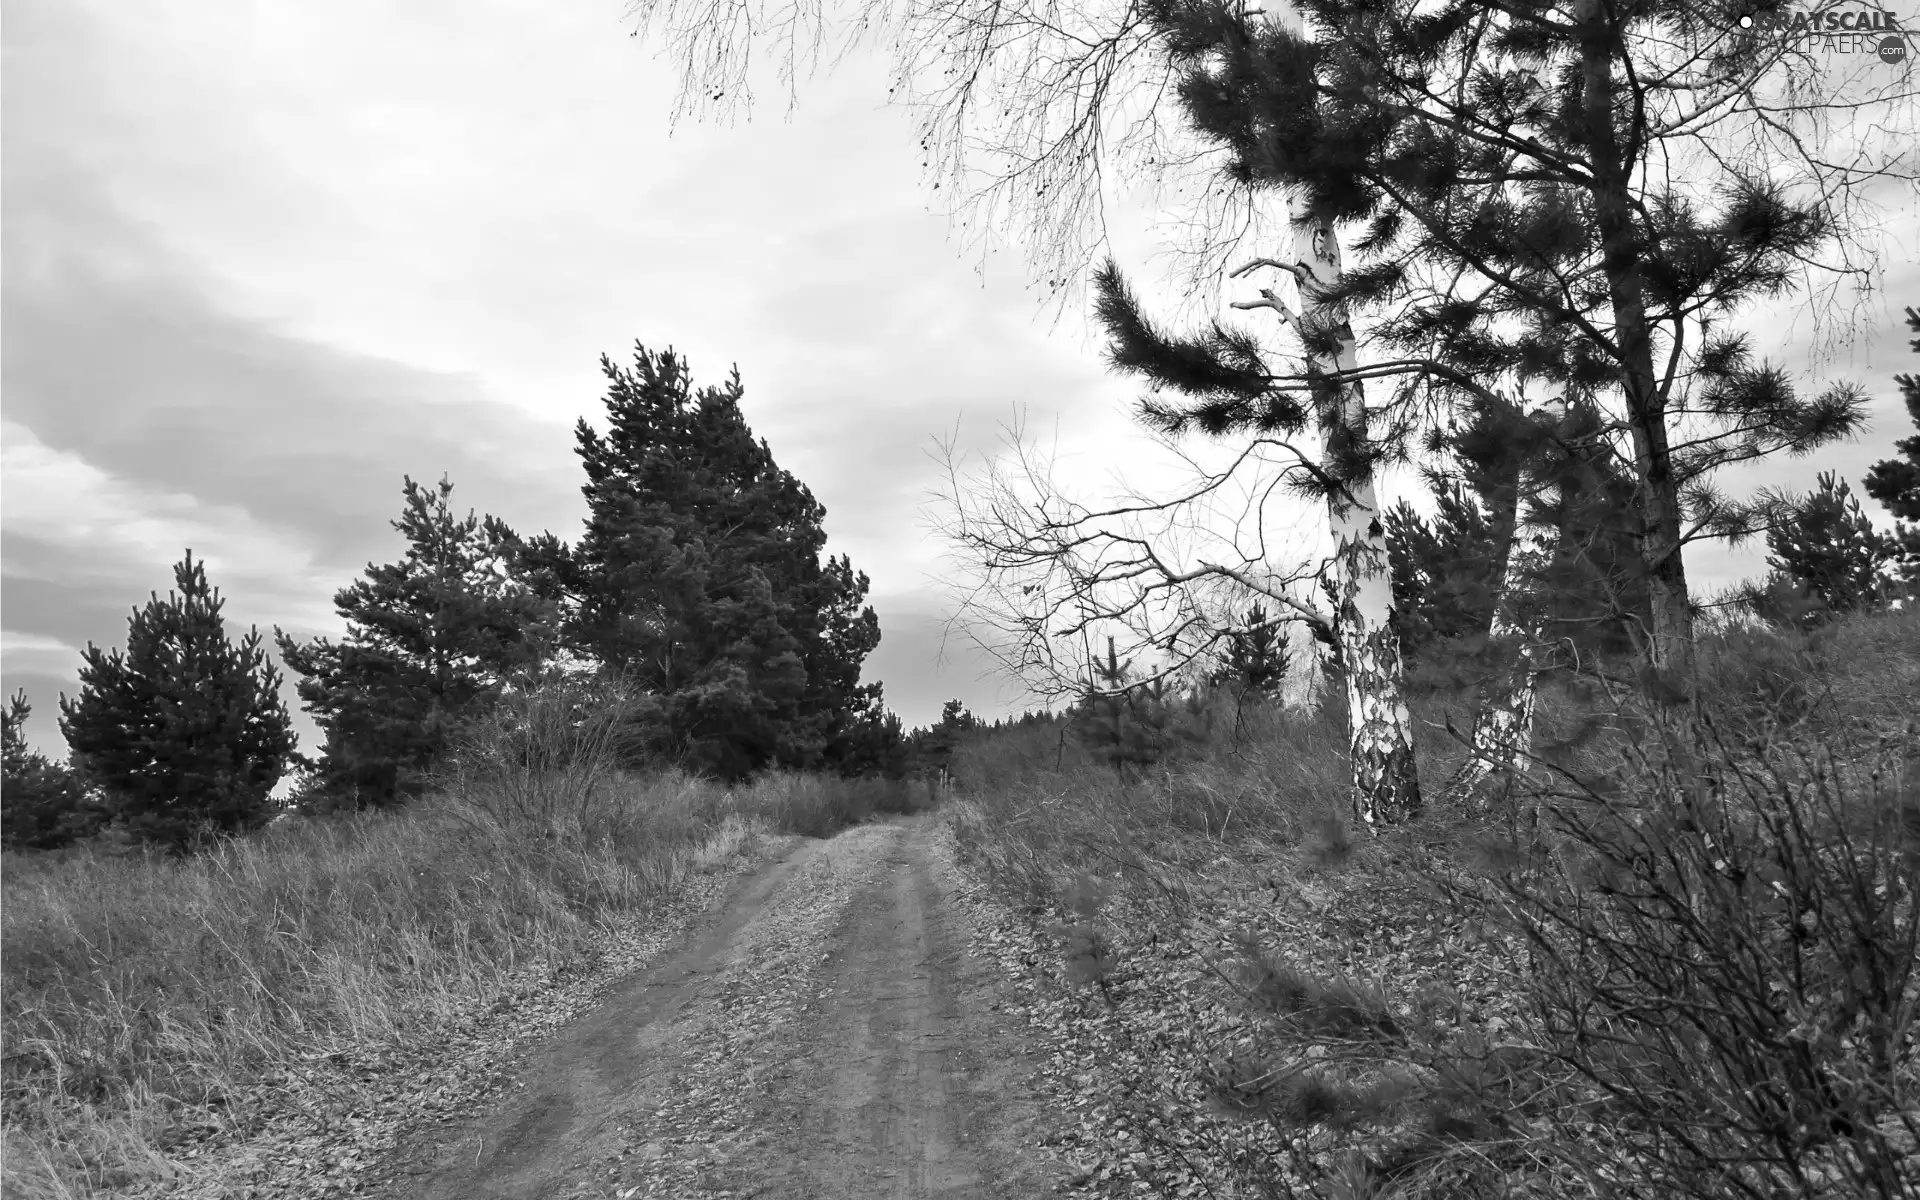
[826,1035]
[583,983]
[1676,959]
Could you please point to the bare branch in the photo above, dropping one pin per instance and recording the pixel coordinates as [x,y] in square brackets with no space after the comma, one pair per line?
[1040,571]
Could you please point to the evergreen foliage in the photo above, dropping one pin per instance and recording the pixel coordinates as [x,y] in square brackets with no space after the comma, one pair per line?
[1447,576]
[1895,482]
[184,732]
[1331,658]
[699,578]
[1593,592]
[1256,658]
[931,749]
[43,805]
[430,642]
[1443,569]
[1590,589]
[1481,193]
[874,743]
[1826,560]
[1131,726]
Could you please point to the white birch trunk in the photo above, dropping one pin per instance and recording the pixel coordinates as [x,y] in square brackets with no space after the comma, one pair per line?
[1503,723]
[1386,789]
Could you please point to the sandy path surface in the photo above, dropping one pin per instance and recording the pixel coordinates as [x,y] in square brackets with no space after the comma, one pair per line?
[824,1032]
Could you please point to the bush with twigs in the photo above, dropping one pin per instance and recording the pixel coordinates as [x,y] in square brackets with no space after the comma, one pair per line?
[1678,962]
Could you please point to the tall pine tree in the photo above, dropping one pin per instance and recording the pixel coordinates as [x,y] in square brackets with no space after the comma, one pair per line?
[1895,482]
[430,642]
[184,732]
[1487,159]
[700,577]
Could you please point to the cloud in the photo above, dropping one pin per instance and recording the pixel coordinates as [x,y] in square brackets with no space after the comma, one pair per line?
[145,416]
[1866,345]
[260,265]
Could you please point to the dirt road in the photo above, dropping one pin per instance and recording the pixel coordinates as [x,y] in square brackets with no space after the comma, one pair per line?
[822,1033]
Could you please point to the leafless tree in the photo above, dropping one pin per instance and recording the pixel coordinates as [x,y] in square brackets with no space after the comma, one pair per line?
[1045,576]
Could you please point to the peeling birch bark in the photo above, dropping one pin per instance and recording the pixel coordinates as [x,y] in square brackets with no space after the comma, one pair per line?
[1503,719]
[1503,724]
[1386,788]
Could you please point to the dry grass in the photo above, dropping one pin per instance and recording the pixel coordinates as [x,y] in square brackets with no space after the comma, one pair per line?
[1243,855]
[143,993]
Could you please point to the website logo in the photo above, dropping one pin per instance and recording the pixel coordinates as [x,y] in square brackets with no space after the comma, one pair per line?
[1842,28]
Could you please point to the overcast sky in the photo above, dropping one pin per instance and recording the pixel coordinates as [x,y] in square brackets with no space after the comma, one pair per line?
[261,261]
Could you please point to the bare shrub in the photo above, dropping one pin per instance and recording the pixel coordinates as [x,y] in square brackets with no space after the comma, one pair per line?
[1719,946]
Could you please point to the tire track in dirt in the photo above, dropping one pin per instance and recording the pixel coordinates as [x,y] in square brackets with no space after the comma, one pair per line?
[889,1102]
[898,1104]
[827,1035]
[553,1118]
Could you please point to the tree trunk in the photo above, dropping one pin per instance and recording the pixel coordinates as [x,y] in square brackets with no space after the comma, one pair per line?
[1656,496]
[1503,714]
[1386,787]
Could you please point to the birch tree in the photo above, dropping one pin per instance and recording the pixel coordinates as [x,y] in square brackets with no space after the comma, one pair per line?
[1237,392]
[1522,220]
[1503,716]
[1567,190]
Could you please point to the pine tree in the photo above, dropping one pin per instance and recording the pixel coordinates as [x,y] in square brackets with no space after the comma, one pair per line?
[1592,587]
[1468,229]
[1895,482]
[1132,726]
[1826,559]
[1539,557]
[431,640]
[43,805]
[874,744]
[1256,658]
[1444,577]
[1451,574]
[700,578]
[930,750]
[1509,453]
[1586,584]
[184,731]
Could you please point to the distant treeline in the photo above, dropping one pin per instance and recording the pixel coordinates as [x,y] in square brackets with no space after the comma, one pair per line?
[700,588]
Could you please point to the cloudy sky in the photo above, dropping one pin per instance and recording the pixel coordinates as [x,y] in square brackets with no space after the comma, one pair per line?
[263,260]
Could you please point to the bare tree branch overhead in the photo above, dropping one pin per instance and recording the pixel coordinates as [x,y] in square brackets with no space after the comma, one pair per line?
[1035,116]
[1046,576]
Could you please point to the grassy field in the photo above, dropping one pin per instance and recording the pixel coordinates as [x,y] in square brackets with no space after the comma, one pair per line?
[1678,961]
[144,996]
